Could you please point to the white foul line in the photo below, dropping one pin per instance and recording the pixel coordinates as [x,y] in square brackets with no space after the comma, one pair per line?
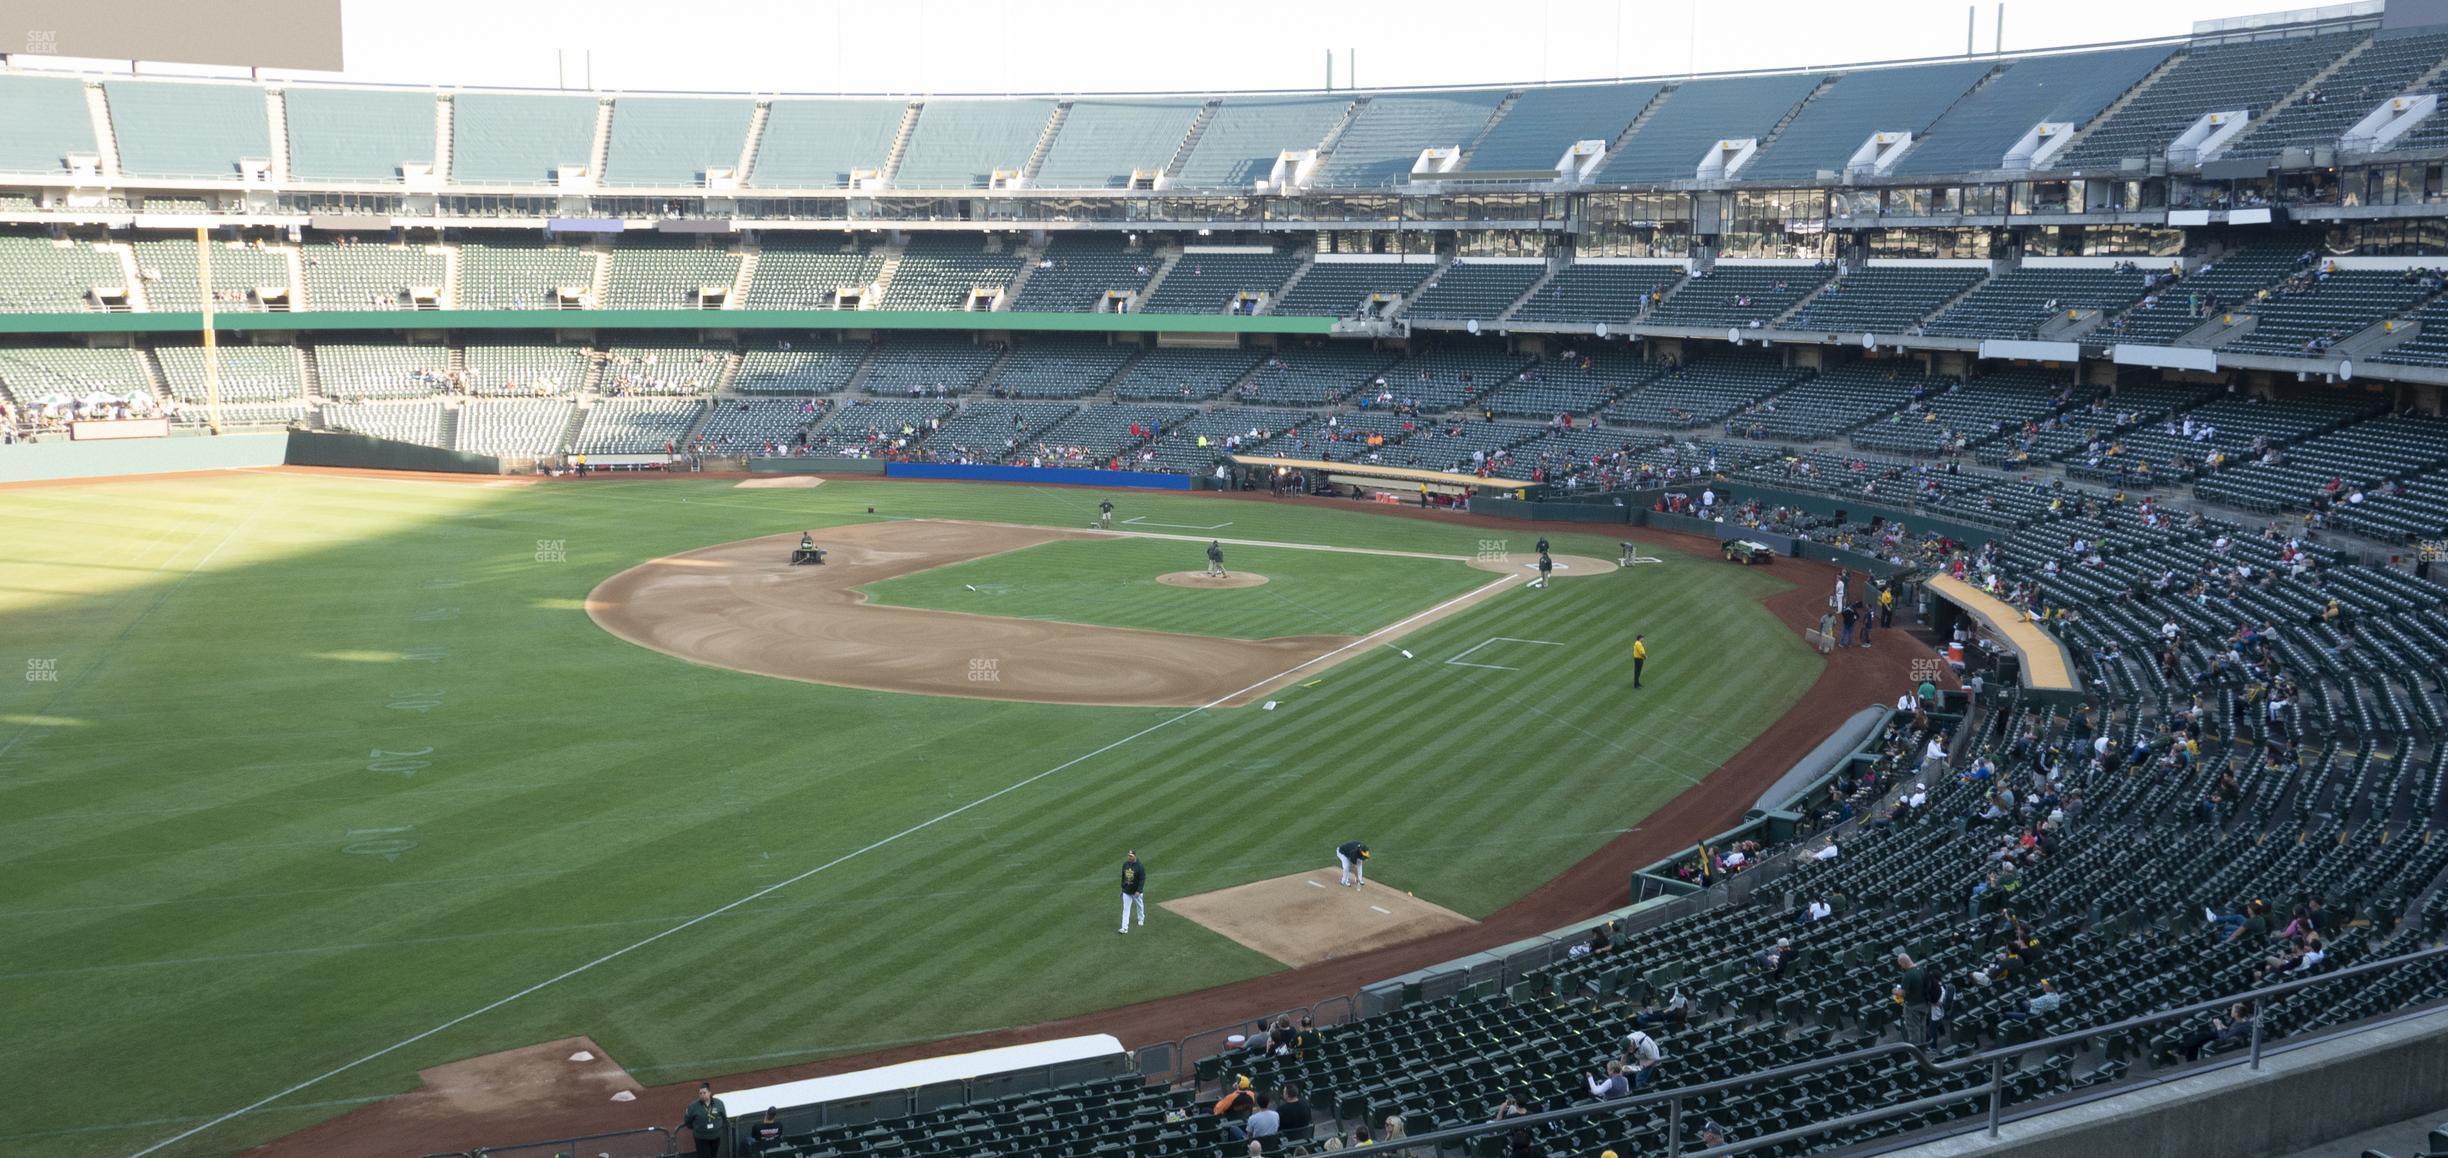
[1143,522]
[783,884]
[1457,660]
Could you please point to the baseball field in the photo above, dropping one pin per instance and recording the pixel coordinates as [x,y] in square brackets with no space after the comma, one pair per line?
[311,781]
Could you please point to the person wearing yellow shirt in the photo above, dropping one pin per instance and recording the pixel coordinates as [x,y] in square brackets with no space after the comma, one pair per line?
[1640,655]
[1886,607]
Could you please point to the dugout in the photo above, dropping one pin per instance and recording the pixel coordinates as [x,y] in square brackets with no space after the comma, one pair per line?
[916,1087]
[1400,484]
[2038,661]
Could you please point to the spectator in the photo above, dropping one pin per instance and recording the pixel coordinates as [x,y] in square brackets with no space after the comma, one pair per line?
[1265,1120]
[1915,992]
[1613,1084]
[2234,1025]
[1772,960]
[1514,1105]
[1232,1111]
[1393,1127]
[1522,1145]
[1291,1113]
[2040,1004]
[1642,1056]
[767,1132]
[1676,1012]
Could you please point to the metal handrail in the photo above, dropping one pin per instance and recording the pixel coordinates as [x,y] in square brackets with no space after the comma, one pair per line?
[1994,1060]
[671,1144]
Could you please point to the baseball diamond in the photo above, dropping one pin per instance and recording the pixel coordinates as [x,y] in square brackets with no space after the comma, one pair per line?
[1750,606]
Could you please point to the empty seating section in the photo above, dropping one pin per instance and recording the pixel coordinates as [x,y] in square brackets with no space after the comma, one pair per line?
[1979,411]
[32,374]
[1447,377]
[992,431]
[670,277]
[513,368]
[1836,123]
[358,134]
[1212,281]
[818,144]
[417,422]
[1184,374]
[1246,134]
[46,123]
[635,425]
[1340,289]
[2331,309]
[1314,375]
[948,272]
[2414,510]
[1586,292]
[2245,77]
[246,373]
[2385,70]
[1099,435]
[42,276]
[1739,295]
[871,426]
[1076,274]
[1459,444]
[1059,368]
[1833,403]
[1978,131]
[1572,382]
[749,425]
[1704,391]
[2076,431]
[1545,123]
[1691,120]
[927,365]
[1103,142]
[1885,299]
[961,144]
[2018,303]
[792,278]
[817,368]
[242,275]
[360,370]
[186,130]
[2218,433]
[2356,458]
[502,139]
[1475,290]
[2171,312]
[514,427]
[1386,137]
[372,277]
[675,140]
[2428,347]
[689,370]
[494,276]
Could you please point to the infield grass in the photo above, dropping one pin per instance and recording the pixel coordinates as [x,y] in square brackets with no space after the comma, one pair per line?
[295,768]
[1112,583]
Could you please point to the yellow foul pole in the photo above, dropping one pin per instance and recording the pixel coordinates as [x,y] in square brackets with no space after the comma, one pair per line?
[212,359]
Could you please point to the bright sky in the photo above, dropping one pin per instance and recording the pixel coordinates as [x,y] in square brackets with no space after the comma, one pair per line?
[920,46]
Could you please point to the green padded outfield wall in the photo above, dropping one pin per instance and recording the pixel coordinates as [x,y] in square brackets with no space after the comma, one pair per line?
[61,459]
[392,320]
[340,448]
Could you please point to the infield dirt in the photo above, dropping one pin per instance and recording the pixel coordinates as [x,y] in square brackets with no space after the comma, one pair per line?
[742,606]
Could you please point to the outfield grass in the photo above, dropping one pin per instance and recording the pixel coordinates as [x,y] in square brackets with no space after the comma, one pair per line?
[326,763]
[1112,583]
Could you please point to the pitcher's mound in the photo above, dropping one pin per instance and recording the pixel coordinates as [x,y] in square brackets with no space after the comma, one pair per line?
[779,482]
[1203,579]
[1310,917]
[1566,566]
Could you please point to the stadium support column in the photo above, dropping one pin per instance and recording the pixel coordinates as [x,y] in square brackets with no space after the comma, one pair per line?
[212,357]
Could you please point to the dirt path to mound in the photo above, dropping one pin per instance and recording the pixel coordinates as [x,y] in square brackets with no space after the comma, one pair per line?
[1852,679]
[742,606]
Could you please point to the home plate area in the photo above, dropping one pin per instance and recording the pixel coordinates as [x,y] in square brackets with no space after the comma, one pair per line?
[1310,917]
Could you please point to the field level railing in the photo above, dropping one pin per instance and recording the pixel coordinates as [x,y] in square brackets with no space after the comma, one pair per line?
[646,1142]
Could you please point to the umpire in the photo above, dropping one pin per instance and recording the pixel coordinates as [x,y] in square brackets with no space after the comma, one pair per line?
[706,1122]
[1134,891]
